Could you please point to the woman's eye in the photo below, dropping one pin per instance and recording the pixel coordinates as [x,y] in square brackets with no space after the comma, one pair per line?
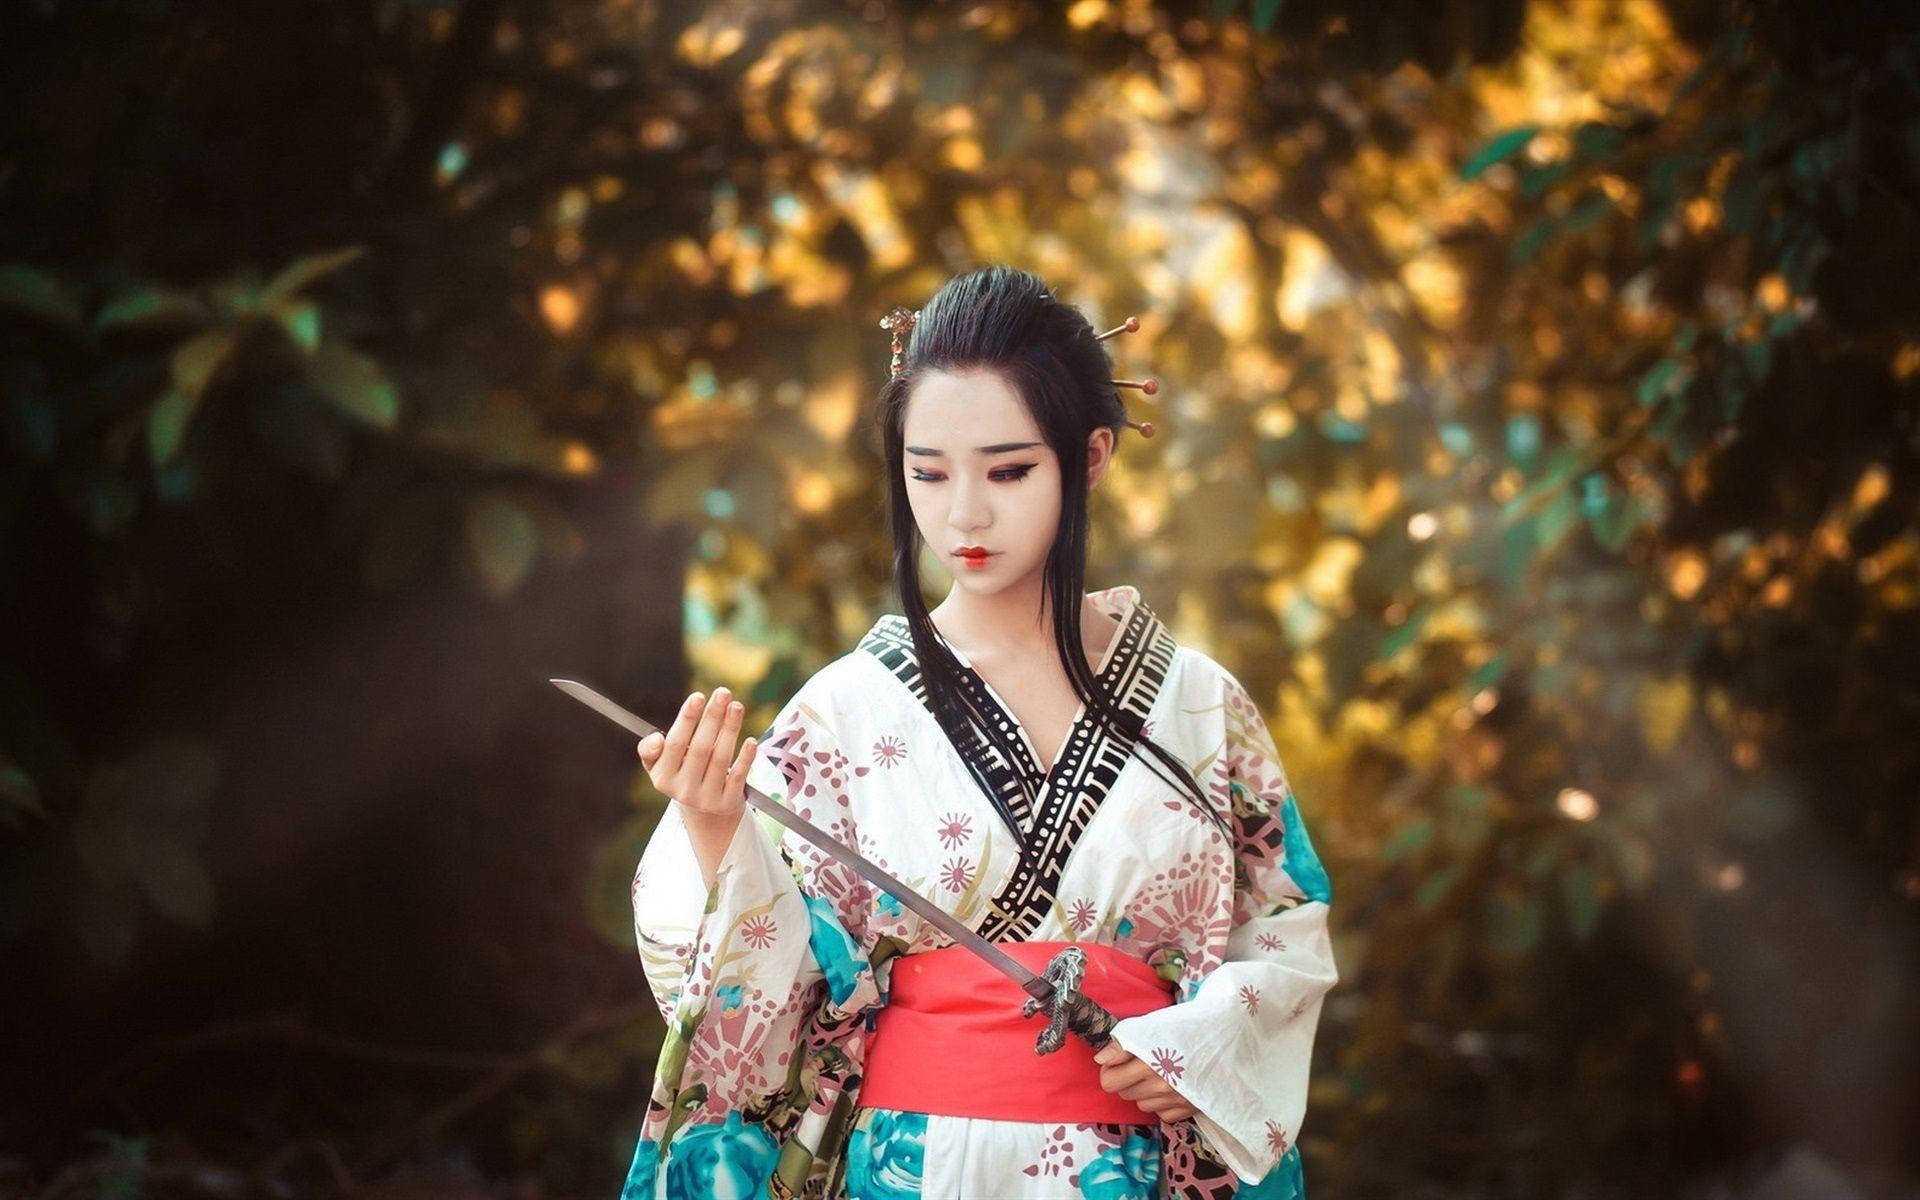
[1003,475]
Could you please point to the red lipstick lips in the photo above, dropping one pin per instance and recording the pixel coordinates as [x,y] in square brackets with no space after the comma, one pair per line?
[974,556]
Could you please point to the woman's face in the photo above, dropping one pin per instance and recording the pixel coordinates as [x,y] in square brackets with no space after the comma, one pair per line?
[980,476]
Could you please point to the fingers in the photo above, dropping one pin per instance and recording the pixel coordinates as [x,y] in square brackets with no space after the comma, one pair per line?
[1125,1074]
[651,747]
[713,781]
[736,781]
[1169,1110]
[1130,1079]
[700,745]
[666,773]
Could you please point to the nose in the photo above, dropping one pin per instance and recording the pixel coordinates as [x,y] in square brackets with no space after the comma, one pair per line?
[971,509]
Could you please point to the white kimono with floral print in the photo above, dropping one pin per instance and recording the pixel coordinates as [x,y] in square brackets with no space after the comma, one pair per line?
[765,978]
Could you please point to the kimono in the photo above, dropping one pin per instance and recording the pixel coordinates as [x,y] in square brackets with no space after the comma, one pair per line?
[768,978]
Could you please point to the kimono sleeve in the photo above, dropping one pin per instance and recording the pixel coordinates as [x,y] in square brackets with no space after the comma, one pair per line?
[743,972]
[1245,1034]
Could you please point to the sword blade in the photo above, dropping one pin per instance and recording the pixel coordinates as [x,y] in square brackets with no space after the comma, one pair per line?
[1030,982]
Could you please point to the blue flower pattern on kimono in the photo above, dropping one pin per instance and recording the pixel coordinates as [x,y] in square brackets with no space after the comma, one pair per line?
[1302,863]
[834,949]
[730,995]
[730,1160]
[640,1176]
[886,1159]
[1129,1171]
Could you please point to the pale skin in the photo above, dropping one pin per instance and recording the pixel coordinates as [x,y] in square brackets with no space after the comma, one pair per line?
[979,474]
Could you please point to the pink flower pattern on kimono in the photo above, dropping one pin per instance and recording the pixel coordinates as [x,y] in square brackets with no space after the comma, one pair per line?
[1166,1063]
[1184,909]
[1080,917]
[740,1015]
[957,874]
[1277,1137]
[954,829]
[1258,791]
[889,751]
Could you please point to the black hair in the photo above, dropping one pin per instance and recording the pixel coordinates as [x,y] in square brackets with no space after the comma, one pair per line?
[1006,320]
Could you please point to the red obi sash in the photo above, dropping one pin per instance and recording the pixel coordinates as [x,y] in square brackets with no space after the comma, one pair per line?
[951,1040]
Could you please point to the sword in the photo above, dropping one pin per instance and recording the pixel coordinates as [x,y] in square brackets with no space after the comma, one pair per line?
[1054,990]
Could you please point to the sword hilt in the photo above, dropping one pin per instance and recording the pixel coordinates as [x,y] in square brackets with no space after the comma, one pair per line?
[1068,1011]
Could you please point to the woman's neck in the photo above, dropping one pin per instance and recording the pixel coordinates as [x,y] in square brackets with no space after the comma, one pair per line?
[1009,623]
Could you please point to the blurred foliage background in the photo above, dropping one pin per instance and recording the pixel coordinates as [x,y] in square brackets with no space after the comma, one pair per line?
[1537,442]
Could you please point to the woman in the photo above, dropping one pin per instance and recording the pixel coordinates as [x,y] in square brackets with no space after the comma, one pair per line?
[822,1038]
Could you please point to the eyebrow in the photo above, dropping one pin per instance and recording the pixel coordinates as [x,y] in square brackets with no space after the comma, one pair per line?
[996,448]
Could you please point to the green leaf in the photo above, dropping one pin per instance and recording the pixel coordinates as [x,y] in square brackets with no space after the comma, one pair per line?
[1587,213]
[152,306]
[1559,467]
[1434,888]
[40,294]
[1405,635]
[197,359]
[1487,673]
[1408,839]
[194,364]
[1557,517]
[301,320]
[167,422]
[1616,520]
[1265,13]
[1655,383]
[501,542]
[1518,542]
[239,294]
[302,272]
[354,383]
[1532,241]
[1537,180]
[1499,149]
[1599,141]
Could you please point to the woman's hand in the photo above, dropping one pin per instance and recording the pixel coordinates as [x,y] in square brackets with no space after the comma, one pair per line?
[1134,1080]
[690,763]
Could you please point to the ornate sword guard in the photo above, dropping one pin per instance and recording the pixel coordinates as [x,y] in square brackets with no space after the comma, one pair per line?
[1069,1011]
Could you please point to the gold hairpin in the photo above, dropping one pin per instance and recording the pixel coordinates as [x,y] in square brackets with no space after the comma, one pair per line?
[1148,386]
[898,321]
